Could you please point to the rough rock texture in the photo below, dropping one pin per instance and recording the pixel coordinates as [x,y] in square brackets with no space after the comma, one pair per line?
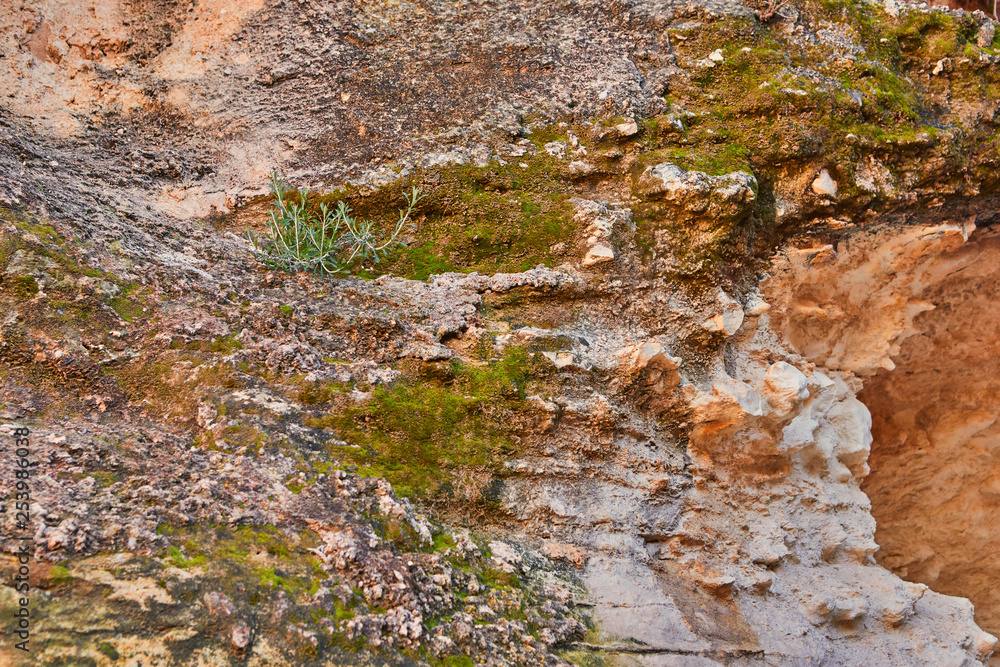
[924,341]
[676,298]
[929,522]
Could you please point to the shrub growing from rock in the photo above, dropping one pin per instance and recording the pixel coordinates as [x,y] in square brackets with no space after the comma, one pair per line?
[324,243]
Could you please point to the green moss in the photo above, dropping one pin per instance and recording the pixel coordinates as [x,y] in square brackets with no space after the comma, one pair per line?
[442,541]
[424,260]
[177,557]
[271,579]
[127,309]
[269,538]
[743,115]
[59,575]
[342,613]
[399,532]
[540,136]
[495,578]
[709,158]
[44,241]
[105,478]
[295,486]
[315,393]
[264,555]
[928,35]
[416,432]
[457,661]
[585,658]
[340,640]
[486,219]
[23,287]
[31,224]
[745,107]
[225,344]
[108,650]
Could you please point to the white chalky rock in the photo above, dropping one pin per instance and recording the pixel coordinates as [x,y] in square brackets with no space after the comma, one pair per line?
[799,433]
[218,604]
[986,34]
[824,185]
[697,198]
[943,65]
[206,415]
[716,56]
[748,400]
[848,607]
[240,635]
[729,402]
[785,386]
[852,424]
[756,306]
[556,148]
[602,221]
[651,353]
[627,129]
[729,319]
[559,359]
[598,254]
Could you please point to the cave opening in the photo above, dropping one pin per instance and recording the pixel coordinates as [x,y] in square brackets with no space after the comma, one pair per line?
[909,308]
[935,459]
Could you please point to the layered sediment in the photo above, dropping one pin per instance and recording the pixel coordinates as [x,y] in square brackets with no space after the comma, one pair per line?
[685,360]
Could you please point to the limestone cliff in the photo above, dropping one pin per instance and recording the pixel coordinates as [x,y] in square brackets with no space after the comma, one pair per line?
[687,358]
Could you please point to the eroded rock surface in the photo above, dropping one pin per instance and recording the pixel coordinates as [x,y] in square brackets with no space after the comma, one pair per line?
[924,343]
[675,297]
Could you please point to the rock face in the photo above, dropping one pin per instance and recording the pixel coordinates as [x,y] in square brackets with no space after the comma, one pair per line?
[930,377]
[695,196]
[677,321]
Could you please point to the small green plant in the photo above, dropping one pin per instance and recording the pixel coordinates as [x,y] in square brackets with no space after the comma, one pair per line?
[326,243]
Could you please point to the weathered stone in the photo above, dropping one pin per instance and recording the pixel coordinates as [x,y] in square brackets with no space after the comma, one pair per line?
[729,317]
[627,129]
[942,66]
[785,386]
[699,199]
[987,31]
[824,184]
[687,480]
[598,254]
